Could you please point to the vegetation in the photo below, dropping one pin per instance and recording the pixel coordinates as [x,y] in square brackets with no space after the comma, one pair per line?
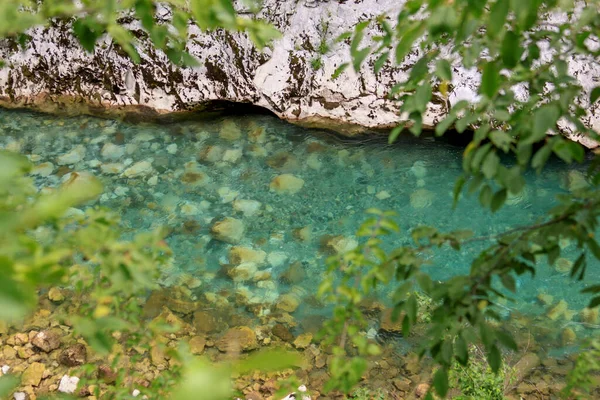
[516,47]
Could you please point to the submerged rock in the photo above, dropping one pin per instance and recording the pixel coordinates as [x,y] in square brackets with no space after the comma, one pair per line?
[230,131]
[247,207]
[286,184]
[43,169]
[421,198]
[112,151]
[228,230]
[239,255]
[563,265]
[558,310]
[72,157]
[242,272]
[589,315]
[141,168]
[240,338]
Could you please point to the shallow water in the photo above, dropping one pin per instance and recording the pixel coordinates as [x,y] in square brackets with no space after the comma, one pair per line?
[198,173]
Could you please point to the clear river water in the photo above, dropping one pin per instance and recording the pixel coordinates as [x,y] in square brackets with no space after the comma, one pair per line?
[286,189]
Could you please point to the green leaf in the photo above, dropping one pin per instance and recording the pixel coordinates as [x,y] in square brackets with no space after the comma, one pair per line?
[490,164]
[511,50]
[268,360]
[124,39]
[444,124]
[394,133]
[497,18]
[144,9]
[494,358]
[501,139]
[7,384]
[578,266]
[498,200]
[544,119]
[358,56]
[594,94]
[541,156]
[440,381]
[422,97]
[485,196]
[458,186]
[507,340]
[490,80]
[443,70]
[405,44]
[380,62]
[460,350]
[87,32]
[568,150]
[595,302]
[508,281]
[338,71]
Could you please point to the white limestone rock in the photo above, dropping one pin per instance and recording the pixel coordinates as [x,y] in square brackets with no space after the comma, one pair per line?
[280,79]
[68,384]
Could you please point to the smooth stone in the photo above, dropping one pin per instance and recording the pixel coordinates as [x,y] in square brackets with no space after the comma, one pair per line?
[232,156]
[230,131]
[112,151]
[288,302]
[242,272]
[558,310]
[239,255]
[227,195]
[68,384]
[197,345]
[313,161]
[286,184]
[247,207]
[211,154]
[240,338]
[190,209]
[32,376]
[43,169]
[277,259]
[56,295]
[72,157]
[140,168]
[383,195]
[421,198]
[112,168]
[172,148]
[228,230]
[303,341]
[73,355]
[47,340]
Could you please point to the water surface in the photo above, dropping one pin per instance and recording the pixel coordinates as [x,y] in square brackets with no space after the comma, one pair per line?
[189,175]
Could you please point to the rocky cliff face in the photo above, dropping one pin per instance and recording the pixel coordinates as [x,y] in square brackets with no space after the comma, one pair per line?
[293,79]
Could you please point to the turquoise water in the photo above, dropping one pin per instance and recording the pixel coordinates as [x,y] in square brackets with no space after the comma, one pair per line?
[189,175]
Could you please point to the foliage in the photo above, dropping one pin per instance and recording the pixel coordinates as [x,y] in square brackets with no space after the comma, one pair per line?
[92,20]
[46,242]
[527,97]
[367,394]
[476,380]
[580,381]
[516,48]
